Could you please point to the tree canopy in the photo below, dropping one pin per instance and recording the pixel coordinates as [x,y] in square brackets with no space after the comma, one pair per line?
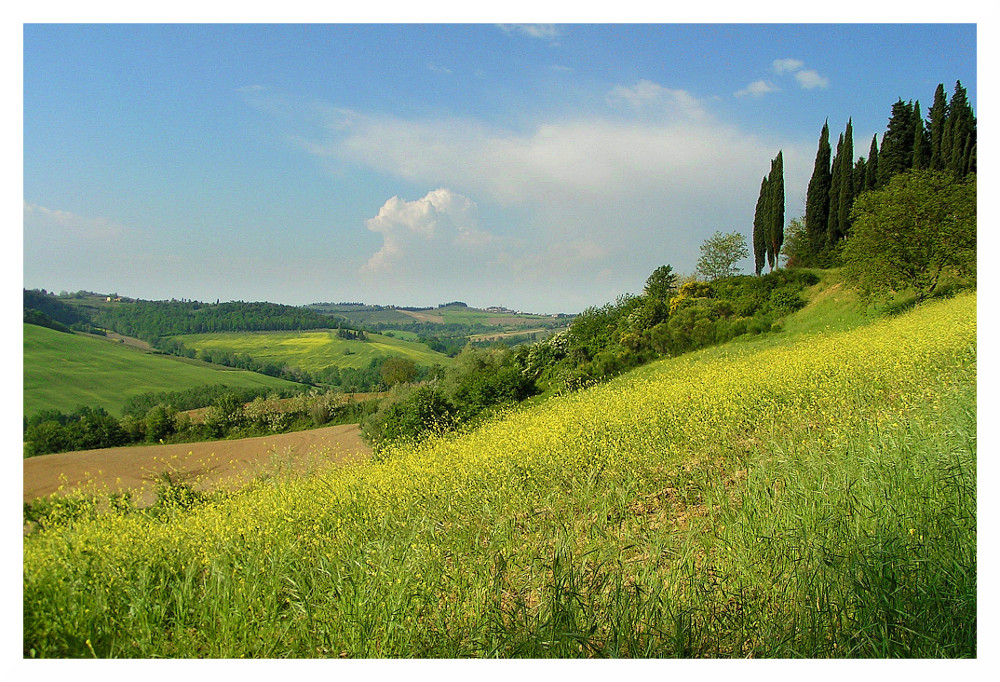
[909,234]
[719,255]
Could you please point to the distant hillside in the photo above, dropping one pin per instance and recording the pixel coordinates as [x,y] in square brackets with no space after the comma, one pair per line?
[65,371]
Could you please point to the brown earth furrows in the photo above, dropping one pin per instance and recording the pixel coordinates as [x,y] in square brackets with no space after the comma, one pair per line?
[207,465]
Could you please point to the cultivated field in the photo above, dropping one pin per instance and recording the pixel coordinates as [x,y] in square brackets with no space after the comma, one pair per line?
[808,496]
[66,371]
[313,350]
[208,466]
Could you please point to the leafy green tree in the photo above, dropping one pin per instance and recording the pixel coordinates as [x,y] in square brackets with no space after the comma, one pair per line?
[720,253]
[911,233]
[796,248]
[661,284]
[397,370]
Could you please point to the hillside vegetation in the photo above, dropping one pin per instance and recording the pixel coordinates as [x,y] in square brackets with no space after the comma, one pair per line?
[313,351]
[808,496]
[64,371]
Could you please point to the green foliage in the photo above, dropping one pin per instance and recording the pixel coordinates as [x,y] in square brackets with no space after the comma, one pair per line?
[398,371]
[85,429]
[720,253]
[913,233]
[412,413]
[817,215]
[63,371]
[661,284]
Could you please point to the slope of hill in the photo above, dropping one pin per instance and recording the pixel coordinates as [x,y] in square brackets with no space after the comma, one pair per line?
[64,371]
[809,496]
[314,350]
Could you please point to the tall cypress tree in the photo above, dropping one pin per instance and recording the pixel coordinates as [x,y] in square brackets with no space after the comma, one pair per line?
[833,231]
[818,197]
[961,133]
[938,114]
[846,195]
[921,141]
[871,166]
[760,227]
[896,155]
[776,214]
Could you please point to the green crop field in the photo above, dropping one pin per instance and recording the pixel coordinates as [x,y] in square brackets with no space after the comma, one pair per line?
[810,495]
[313,350]
[66,371]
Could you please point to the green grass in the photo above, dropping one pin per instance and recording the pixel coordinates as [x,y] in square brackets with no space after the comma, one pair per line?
[66,371]
[813,496]
[313,350]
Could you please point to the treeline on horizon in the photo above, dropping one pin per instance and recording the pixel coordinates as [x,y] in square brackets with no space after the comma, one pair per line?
[945,142]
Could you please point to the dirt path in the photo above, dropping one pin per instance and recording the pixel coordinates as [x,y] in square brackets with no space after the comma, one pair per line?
[224,463]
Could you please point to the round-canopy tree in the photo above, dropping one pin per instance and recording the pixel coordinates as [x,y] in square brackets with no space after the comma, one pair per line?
[917,228]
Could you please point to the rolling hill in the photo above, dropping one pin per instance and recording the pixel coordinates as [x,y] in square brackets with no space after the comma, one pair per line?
[314,350]
[65,371]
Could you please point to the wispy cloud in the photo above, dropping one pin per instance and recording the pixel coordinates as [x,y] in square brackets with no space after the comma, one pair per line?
[787,65]
[47,223]
[806,78]
[757,89]
[649,97]
[810,79]
[540,31]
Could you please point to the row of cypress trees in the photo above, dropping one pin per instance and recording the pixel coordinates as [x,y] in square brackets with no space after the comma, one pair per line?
[946,142]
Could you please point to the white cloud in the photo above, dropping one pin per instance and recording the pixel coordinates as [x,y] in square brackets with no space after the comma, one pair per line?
[757,89]
[540,31]
[46,224]
[566,197]
[787,65]
[426,229]
[649,97]
[809,79]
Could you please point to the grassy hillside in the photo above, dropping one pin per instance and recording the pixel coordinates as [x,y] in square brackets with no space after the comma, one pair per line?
[813,496]
[65,371]
[312,350]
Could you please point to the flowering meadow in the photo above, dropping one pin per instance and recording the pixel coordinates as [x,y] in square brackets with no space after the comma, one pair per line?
[813,498]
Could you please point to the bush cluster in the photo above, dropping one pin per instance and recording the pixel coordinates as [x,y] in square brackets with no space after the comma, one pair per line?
[228,416]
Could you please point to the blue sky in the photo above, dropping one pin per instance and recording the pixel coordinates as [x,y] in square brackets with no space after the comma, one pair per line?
[541,167]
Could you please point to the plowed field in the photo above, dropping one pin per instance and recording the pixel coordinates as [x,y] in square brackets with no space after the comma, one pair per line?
[208,465]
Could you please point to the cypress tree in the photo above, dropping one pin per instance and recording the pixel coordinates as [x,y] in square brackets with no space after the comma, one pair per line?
[938,114]
[776,214]
[921,141]
[760,227]
[846,194]
[896,155]
[961,133]
[833,231]
[871,166]
[818,196]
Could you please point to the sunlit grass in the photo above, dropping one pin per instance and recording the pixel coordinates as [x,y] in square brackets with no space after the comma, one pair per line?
[801,499]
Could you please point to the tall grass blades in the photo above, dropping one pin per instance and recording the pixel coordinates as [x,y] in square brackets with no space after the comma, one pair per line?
[813,499]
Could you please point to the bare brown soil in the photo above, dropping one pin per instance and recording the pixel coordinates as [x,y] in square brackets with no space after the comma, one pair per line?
[208,465]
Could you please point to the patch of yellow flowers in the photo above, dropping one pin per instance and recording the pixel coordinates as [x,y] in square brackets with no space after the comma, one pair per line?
[491,483]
